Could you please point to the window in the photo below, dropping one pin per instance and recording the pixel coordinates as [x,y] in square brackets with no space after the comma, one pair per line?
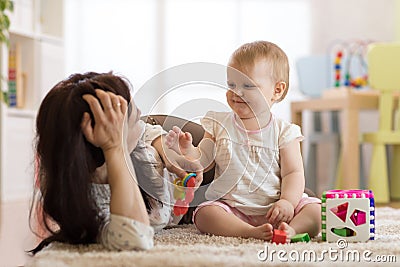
[146,37]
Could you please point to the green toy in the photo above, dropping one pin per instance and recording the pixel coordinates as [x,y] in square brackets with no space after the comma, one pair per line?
[300,238]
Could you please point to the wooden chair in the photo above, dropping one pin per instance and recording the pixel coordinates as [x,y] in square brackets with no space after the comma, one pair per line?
[384,75]
[313,75]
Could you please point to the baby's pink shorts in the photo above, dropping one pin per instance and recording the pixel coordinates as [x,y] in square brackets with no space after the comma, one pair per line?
[255,220]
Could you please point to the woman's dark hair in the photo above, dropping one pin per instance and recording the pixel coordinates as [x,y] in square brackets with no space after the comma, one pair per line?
[67,161]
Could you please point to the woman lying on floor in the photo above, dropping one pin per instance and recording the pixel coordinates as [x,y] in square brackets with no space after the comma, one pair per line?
[88,186]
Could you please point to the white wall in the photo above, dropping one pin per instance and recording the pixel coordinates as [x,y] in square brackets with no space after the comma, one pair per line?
[118,35]
[350,20]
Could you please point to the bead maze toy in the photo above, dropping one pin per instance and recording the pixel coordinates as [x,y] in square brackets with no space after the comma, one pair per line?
[338,67]
[183,193]
[349,215]
[351,53]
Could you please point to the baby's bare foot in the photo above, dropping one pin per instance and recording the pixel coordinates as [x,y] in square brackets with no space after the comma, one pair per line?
[172,140]
[290,232]
[263,232]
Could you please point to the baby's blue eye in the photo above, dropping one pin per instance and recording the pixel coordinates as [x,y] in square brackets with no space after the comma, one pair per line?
[249,86]
[231,85]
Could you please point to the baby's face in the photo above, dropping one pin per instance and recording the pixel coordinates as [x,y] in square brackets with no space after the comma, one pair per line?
[251,90]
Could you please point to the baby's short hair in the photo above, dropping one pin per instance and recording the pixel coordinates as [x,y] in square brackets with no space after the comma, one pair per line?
[247,54]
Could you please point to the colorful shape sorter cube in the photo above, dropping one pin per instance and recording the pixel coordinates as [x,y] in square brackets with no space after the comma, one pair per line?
[348,214]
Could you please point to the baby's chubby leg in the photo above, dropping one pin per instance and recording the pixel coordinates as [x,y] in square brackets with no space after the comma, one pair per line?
[178,141]
[308,220]
[215,220]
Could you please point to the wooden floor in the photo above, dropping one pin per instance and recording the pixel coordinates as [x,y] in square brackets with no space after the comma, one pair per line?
[15,234]
[394,204]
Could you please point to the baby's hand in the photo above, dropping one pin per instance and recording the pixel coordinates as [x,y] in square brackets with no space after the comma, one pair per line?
[281,211]
[178,141]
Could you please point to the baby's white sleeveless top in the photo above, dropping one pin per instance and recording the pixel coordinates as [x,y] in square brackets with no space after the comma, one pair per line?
[247,171]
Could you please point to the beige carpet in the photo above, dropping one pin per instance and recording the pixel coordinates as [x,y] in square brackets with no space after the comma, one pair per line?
[184,246]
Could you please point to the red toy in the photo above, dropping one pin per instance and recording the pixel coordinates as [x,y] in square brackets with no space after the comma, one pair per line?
[279,237]
[184,193]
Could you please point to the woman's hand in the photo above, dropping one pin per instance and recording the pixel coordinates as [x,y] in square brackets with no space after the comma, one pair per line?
[108,128]
[281,211]
[107,133]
